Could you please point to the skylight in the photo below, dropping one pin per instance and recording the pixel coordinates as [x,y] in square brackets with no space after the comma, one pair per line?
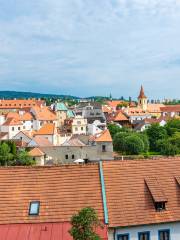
[34,208]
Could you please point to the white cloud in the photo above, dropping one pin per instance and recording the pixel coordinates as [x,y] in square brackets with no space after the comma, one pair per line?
[105,43]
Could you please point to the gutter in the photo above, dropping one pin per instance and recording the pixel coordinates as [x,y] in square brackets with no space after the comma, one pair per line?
[103,189]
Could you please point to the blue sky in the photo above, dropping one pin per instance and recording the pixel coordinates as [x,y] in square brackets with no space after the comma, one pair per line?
[91,47]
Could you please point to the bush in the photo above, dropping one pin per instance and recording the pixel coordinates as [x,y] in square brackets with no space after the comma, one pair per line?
[166,148]
[134,145]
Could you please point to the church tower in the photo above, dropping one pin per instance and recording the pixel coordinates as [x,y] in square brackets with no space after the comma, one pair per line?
[142,99]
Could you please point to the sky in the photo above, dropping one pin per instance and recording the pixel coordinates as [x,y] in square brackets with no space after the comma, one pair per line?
[91,47]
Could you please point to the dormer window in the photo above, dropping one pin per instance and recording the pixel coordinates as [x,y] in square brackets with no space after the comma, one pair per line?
[160,206]
[157,193]
[34,208]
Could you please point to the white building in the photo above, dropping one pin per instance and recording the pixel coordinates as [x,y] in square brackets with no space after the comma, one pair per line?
[79,125]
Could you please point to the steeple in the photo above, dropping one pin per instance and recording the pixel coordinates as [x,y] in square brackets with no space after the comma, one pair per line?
[142,99]
[141,94]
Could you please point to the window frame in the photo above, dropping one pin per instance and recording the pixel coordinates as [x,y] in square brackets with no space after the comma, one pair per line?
[104,149]
[122,235]
[164,230]
[144,232]
[30,204]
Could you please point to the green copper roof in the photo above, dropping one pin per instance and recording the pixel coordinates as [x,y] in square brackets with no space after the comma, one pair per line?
[60,106]
[70,114]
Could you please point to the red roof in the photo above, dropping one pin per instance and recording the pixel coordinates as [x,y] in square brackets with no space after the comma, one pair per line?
[171,108]
[20,103]
[104,136]
[41,231]
[130,186]
[120,117]
[114,103]
[62,191]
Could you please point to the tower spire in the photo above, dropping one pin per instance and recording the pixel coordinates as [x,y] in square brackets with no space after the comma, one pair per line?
[142,94]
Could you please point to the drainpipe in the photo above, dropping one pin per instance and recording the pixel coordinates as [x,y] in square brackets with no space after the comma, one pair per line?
[103,189]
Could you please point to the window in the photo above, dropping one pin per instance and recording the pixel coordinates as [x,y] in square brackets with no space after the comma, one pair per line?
[34,208]
[19,128]
[103,148]
[82,128]
[73,156]
[144,236]
[164,234]
[66,156]
[76,129]
[160,206]
[78,122]
[123,236]
[12,128]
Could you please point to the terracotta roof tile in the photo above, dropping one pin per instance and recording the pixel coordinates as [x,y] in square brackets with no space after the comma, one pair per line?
[171,108]
[120,117]
[40,141]
[128,198]
[12,122]
[114,103]
[20,103]
[47,129]
[155,189]
[36,152]
[44,114]
[104,136]
[61,190]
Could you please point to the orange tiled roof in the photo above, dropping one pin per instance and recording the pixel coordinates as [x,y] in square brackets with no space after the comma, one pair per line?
[129,200]
[36,152]
[41,141]
[17,104]
[44,113]
[26,116]
[136,111]
[61,190]
[47,129]
[104,136]
[120,117]
[153,108]
[114,103]
[171,108]
[106,109]
[12,122]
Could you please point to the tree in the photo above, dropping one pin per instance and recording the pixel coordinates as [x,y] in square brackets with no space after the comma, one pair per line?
[113,129]
[173,126]
[24,159]
[6,157]
[84,225]
[119,142]
[134,144]
[145,140]
[155,132]
[166,148]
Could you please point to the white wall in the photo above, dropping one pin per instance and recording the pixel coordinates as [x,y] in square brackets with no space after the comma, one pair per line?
[133,231]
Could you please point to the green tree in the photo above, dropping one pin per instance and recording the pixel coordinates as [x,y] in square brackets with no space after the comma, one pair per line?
[6,157]
[84,225]
[24,159]
[134,145]
[155,132]
[145,140]
[173,126]
[167,148]
[113,129]
[119,142]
